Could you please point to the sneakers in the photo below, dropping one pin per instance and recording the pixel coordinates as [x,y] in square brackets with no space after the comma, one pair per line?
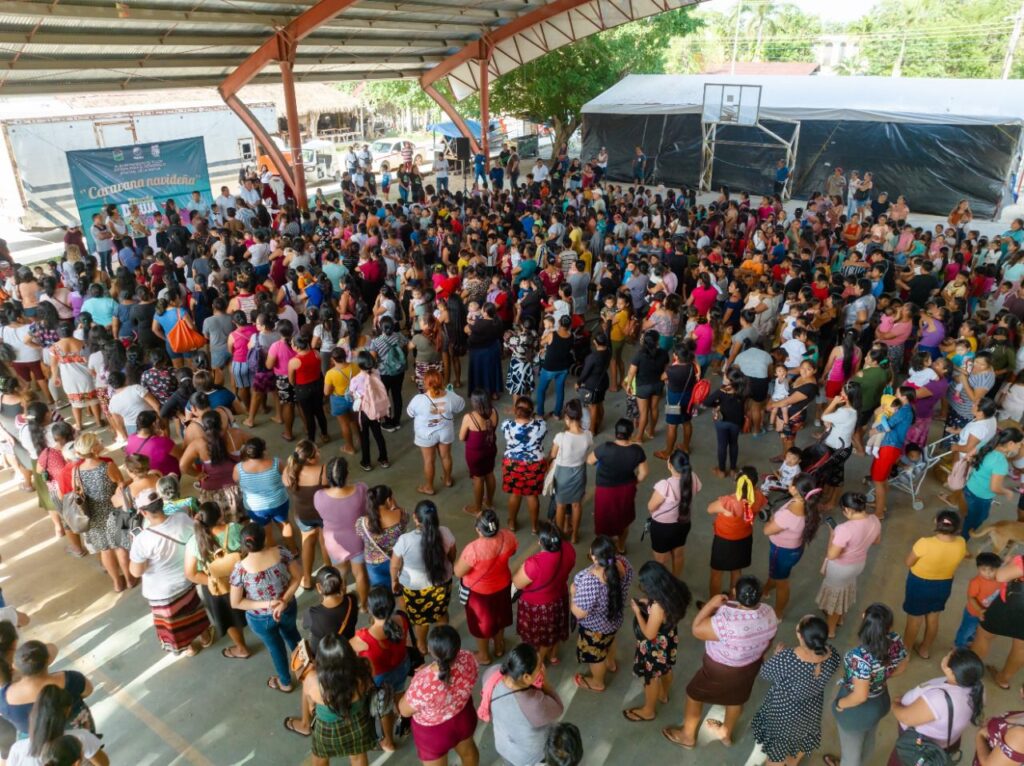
[366,467]
[384,463]
[391,427]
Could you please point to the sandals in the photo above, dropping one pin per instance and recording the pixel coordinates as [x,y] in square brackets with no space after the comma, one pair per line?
[583,682]
[226,653]
[994,672]
[275,684]
[632,715]
[289,725]
[667,734]
[208,637]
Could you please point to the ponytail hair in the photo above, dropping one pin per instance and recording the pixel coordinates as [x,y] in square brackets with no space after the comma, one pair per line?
[35,416]
[304,451]
[521,661]
[444,643]
[969,672]
[1006,436]
[680,462]
[432,543]
[603,550]
[810,492]
[381,604]
[376,496]
[254,537]
[487,523]
[814,632]
[203,522]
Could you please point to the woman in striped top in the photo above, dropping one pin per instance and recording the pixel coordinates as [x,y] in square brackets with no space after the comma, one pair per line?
[264,496]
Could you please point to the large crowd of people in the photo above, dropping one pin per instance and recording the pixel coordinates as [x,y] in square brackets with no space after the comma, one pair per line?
[138,365]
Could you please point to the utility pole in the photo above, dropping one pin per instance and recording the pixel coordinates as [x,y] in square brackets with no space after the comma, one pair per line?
[736,36]
[1018,22]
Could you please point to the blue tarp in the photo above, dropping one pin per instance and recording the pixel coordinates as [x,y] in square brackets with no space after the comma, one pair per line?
[448,129]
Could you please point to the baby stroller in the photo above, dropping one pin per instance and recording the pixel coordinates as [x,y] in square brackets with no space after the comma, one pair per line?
[910,479]
[816,460]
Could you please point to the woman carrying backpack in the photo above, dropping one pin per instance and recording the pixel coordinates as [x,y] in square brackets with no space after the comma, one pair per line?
[210,555]
[389,349]
[370,402]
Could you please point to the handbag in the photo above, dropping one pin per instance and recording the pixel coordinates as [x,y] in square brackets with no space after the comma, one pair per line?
[914,749]
[183,338]
[218,571]
[586,395]
[302,660]
[516,593]
[74,507]
[957,478]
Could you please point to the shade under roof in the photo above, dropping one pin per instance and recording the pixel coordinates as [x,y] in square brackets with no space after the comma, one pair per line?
[56,46]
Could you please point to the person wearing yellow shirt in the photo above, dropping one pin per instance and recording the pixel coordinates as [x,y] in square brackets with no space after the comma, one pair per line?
[617,334]
[933,562]
[336,383]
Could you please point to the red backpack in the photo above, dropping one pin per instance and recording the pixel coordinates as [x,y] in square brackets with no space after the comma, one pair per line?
[701,389]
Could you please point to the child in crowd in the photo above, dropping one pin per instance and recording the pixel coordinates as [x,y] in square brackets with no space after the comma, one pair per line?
[962,356]
[780,390]
[982,589]
[473,312]
[168,489]
[780,480]
[912,463]
[795,348]
[921,372]
[880,426]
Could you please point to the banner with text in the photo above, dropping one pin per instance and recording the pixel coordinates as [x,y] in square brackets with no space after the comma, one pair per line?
[146,175]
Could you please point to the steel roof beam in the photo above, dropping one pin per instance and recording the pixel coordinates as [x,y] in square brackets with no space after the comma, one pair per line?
[130,15]
[70,40]
[31,87]
[49,63]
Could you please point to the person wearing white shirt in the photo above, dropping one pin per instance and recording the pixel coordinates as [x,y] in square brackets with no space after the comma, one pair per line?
[540,171]
[225,200]
[249,193]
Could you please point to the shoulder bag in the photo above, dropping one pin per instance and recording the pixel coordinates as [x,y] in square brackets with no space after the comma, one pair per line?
[913,749]
[302,659]
[74,509]
[183,338]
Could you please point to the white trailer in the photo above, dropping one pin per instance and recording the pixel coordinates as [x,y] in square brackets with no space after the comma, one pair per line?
[35,186]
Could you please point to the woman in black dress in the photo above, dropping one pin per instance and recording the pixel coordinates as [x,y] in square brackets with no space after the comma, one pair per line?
[729,411]
[647,368]
[621,465]
[485,335]
[593,382]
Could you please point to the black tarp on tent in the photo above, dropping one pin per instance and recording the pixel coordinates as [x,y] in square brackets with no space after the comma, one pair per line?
[933,141]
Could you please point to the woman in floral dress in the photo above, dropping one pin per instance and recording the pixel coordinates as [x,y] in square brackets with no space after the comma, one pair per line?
[655,621]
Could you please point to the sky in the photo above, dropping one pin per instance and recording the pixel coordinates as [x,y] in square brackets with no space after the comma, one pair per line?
[828,10]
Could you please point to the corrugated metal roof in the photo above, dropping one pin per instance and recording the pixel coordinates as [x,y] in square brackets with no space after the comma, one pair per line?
[123,45]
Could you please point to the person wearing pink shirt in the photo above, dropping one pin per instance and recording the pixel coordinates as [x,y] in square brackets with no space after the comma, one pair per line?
[704,295]
[279,355]
[847,554]
[789,531]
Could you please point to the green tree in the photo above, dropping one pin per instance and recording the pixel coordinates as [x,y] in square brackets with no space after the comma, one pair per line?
[554,87]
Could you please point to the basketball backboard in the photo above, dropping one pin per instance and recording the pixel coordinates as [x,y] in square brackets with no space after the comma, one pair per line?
[731,104]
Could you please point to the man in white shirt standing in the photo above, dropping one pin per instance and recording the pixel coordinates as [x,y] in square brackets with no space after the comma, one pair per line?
[225,200]
[540,171]
[249,193]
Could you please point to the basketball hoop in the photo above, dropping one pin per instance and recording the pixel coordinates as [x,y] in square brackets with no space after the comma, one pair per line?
[731,104]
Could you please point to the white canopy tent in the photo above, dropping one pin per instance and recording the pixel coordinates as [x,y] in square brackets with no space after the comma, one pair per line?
[935,141]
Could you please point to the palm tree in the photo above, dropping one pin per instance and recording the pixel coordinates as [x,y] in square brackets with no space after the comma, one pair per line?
[764,16]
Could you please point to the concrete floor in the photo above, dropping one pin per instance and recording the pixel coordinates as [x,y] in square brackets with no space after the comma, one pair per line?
[154,709]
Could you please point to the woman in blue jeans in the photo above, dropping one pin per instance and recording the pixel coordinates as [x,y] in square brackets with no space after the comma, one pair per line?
[991,465]
[728,404]
[554,367]
[263,584]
